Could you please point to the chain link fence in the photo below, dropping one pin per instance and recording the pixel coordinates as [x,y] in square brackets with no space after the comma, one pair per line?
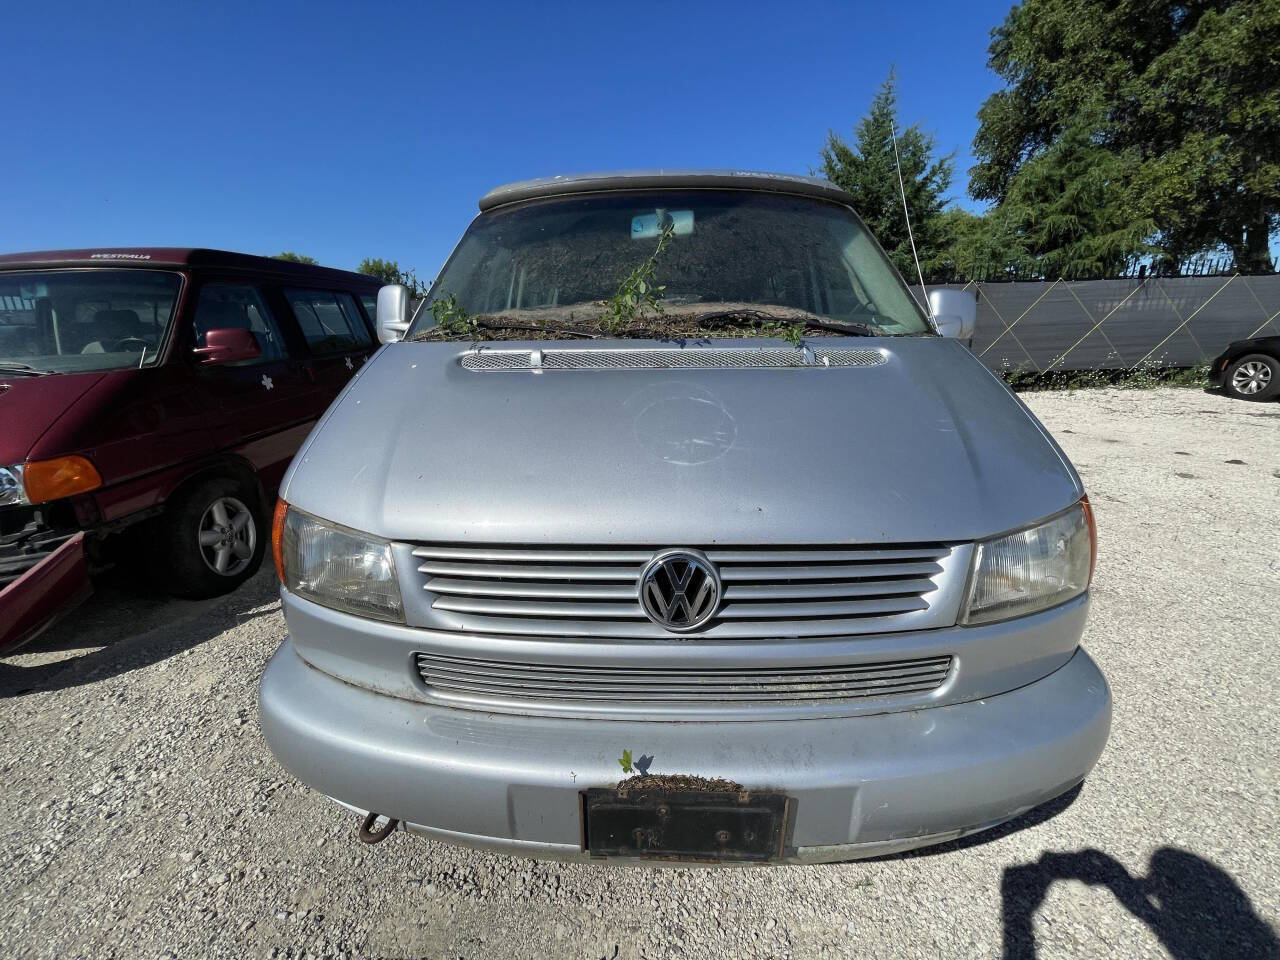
[1127,324]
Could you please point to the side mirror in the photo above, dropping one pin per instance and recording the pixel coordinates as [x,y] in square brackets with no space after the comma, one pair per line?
[228,345]
[954,312]
[393,312]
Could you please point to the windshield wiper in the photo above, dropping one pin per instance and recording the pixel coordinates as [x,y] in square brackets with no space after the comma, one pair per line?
[24,368]
[808,321]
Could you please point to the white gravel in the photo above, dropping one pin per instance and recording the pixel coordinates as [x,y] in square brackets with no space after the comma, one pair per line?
[141,814]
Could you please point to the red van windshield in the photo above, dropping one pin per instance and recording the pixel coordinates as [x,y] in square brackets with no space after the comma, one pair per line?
[63,321]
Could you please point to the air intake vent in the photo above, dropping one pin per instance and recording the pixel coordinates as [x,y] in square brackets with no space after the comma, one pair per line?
[484,360]
[498,685]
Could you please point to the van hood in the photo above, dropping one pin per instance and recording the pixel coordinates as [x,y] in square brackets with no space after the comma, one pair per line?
[29,406]
[924,446]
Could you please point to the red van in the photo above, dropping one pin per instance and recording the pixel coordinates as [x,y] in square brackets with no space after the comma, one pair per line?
[150,401]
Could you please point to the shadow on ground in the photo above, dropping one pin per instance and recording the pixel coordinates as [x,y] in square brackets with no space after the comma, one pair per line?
[1194,907]
[123,627]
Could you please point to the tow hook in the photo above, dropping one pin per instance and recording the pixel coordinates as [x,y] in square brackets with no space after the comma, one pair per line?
[369,835]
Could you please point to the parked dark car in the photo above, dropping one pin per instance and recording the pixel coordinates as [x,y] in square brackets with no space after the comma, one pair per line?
[1248,369]
[152,399]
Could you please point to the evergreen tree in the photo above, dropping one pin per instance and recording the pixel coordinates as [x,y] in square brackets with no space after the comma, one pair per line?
[866,170]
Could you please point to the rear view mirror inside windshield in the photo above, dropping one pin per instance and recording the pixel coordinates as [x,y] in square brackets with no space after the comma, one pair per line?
[646,226]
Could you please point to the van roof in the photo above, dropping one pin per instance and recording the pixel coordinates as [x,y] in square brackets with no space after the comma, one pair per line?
[189,257]
[663,179]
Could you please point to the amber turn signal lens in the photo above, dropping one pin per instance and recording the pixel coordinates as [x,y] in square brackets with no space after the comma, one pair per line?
[1093,534]
[277,537]
[46,480]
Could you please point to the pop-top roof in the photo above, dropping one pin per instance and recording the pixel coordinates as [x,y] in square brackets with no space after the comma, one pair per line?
[663,179]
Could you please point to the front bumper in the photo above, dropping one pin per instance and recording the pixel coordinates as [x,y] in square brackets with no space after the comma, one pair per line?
[1217,374]
[40,584]
[861,786]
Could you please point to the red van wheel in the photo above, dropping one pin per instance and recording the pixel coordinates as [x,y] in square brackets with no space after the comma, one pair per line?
[215,537]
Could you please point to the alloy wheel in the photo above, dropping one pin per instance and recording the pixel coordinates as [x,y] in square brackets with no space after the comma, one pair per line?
[1252,377]
[228,536]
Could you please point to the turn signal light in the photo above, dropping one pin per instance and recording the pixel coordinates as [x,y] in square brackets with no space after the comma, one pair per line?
[1093,534]
[47,480]
[277,537]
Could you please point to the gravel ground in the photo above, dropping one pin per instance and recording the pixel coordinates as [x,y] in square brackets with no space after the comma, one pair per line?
[143,816]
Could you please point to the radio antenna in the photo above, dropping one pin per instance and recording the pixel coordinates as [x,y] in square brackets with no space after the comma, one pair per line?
[902,190]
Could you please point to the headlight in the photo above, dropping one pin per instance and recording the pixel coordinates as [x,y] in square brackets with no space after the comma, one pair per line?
[11,489]
[39,481]
[339,568]
[1032,569]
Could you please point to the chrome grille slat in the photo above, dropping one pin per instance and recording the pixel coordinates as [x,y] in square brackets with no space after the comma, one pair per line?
[547,588]
[589,591]
[643,629]
[833,572]
[515,555]
[475,681]
[532,608]
[836,555]
[814,589]
[804,610]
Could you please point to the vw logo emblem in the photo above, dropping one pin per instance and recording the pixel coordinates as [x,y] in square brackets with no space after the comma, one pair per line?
[679,590]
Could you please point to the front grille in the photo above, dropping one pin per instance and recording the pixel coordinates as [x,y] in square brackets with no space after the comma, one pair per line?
[780,592]
[474,682]
[486,360]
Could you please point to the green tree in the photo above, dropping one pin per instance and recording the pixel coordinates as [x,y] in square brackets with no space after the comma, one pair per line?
[388,271]
[980,246]
[1128,122]
[294,257]
[866,170]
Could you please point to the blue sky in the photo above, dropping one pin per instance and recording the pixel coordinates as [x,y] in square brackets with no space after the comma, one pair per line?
[371,130]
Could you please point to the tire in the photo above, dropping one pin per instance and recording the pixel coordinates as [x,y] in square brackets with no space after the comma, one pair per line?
[214,537]
[1253,377]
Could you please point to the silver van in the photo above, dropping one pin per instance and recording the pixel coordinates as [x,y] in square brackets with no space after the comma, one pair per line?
[670,528]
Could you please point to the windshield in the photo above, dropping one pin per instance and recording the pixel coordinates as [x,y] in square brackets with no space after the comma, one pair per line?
[678,263]
[63,321]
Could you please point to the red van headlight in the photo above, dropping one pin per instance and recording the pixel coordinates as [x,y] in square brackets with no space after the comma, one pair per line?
[39,481]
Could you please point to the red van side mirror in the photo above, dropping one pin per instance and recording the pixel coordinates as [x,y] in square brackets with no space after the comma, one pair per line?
[228,345]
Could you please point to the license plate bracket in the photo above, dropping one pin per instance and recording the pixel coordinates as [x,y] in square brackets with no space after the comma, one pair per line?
[682,824]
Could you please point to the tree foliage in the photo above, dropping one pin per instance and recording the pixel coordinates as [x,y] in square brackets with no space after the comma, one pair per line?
[1129,126]
[866,170]
[294,257]
[388,271]
[979,246]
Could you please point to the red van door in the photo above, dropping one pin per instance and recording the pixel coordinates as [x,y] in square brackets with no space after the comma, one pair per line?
[263,408]
[336,334]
